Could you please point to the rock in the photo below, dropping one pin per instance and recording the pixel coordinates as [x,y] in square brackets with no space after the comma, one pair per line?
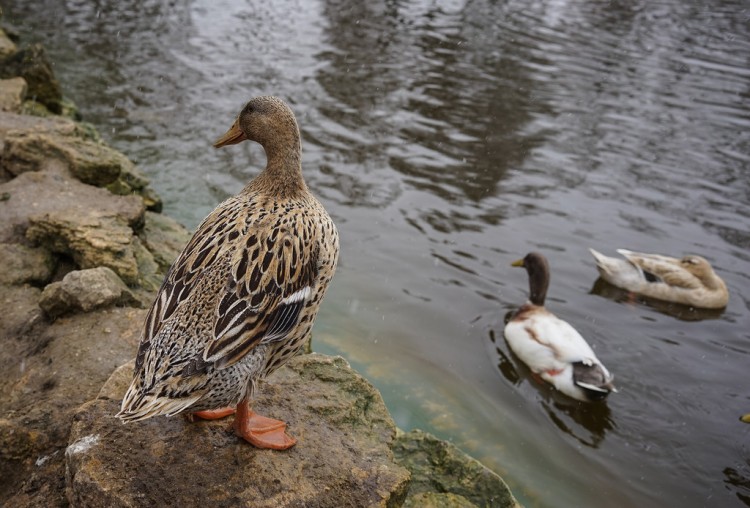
[64,363]
[49,369]
[90,162]
[33,145]
[164,237]
[84,290]
[14,124]
[69,110]
[21,264]
[12,94]
[150,275]
[151,199]
[61,126]
[439,467]
[95,163]
[17,443]
[92,238]
[88,224]
[7,47]
[342,457]
[435,500]
[31,63]
[20,314]
[133,181]
[25,151]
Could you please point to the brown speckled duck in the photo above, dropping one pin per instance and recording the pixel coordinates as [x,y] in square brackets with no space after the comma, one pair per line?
[689,280]
[241,298]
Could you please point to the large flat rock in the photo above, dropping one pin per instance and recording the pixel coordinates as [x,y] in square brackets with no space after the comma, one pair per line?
[10,121]
[57,194]
[342,457]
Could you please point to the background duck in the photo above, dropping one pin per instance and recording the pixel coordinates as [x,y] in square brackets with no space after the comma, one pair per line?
[689,281]
[241,298]
[551,347]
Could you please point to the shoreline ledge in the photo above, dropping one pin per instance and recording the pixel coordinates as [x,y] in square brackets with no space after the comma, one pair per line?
[84,247]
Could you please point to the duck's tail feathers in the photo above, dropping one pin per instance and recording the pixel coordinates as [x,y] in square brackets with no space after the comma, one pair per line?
[595,380]
[595,388]
[140,407]
[604,264]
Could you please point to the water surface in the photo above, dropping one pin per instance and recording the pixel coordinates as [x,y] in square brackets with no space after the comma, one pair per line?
[448,139]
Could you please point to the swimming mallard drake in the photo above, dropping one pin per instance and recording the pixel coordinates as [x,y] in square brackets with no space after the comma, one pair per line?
[689,281]
[551,347]
[241,298]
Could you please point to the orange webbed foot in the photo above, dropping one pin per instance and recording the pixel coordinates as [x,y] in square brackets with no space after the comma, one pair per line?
[260,431]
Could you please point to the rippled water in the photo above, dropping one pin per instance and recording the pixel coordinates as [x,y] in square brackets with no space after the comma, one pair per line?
[448,139]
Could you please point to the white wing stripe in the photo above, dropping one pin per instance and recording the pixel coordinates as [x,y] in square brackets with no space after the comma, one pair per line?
[297,296]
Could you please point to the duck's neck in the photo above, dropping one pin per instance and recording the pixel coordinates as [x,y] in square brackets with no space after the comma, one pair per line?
[282,175]
[538,284]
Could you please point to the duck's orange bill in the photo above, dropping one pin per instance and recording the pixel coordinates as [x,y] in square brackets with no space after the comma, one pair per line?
[233,136]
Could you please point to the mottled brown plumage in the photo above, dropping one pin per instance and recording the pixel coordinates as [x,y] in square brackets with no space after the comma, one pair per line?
[689,280]
[241,298]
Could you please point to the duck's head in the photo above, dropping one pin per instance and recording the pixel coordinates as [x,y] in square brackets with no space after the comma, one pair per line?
[538,269]
[701,268]
[266,120]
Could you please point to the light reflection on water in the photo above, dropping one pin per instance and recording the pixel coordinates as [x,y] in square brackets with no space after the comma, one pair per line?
[448,139]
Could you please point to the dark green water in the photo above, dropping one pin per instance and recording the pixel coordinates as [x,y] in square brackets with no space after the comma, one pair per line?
[448,139]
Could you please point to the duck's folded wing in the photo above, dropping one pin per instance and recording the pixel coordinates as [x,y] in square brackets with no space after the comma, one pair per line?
[269,285]
[664,269]
[203,255]
[681,279]
[567,344]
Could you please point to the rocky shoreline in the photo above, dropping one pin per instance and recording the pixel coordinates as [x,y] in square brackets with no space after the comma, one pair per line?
[84,247]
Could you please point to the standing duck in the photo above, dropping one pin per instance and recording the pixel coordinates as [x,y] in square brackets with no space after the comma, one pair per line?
[241,298]
[689,281]
[551,347]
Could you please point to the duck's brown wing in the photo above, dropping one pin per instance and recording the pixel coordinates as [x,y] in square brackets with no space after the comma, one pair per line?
[664,269]
[261,269]
[269,284]
[206,249]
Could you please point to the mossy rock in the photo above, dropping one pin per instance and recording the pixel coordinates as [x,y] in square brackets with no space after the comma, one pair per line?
[439,467]
[32,64]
